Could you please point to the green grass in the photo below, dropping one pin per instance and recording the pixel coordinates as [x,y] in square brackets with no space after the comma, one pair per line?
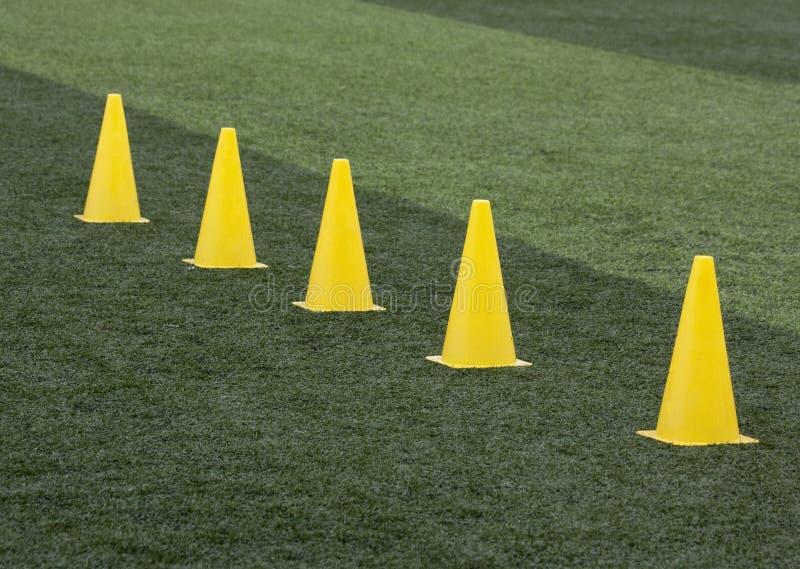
[151,416]
[755,39]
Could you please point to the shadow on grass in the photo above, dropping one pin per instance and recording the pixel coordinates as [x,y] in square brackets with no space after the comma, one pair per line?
[746,38]
[155,402]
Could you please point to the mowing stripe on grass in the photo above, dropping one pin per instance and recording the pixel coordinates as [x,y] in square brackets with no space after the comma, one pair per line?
[152,416]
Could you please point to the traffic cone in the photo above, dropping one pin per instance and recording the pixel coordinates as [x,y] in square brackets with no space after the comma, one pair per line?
[225,240]
[479,329]
[339,281]
[112,189]
[698,407]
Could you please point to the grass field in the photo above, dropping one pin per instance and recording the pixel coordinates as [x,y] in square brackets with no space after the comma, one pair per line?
[155,415]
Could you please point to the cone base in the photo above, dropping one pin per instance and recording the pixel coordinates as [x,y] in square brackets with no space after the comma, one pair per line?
[304,306]
[439,360]
[741,440]
[255,265]
[86,220]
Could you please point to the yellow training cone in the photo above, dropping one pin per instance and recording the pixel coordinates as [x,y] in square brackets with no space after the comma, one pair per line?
[479,329]
[225,240]
[698,406]
[339,281]
[112,189]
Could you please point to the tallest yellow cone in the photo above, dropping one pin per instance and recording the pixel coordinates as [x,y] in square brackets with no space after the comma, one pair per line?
[698,406]
[112,189]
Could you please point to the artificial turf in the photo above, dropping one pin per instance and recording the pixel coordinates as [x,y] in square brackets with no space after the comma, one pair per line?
[154,415]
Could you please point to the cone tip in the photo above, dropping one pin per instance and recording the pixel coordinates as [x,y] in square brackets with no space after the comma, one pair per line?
[340,167]
[227,137]
[481,206]
[114,100]
[703,262]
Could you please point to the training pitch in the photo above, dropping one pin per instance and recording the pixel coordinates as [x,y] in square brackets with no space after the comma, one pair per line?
[156,414]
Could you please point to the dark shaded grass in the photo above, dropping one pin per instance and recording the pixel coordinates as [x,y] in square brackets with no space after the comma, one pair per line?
[152,416]
[758,39]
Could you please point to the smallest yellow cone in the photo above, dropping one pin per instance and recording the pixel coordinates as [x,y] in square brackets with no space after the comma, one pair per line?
[226,239]
[339,281]
[112,189]
[698,406]
[479,329]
